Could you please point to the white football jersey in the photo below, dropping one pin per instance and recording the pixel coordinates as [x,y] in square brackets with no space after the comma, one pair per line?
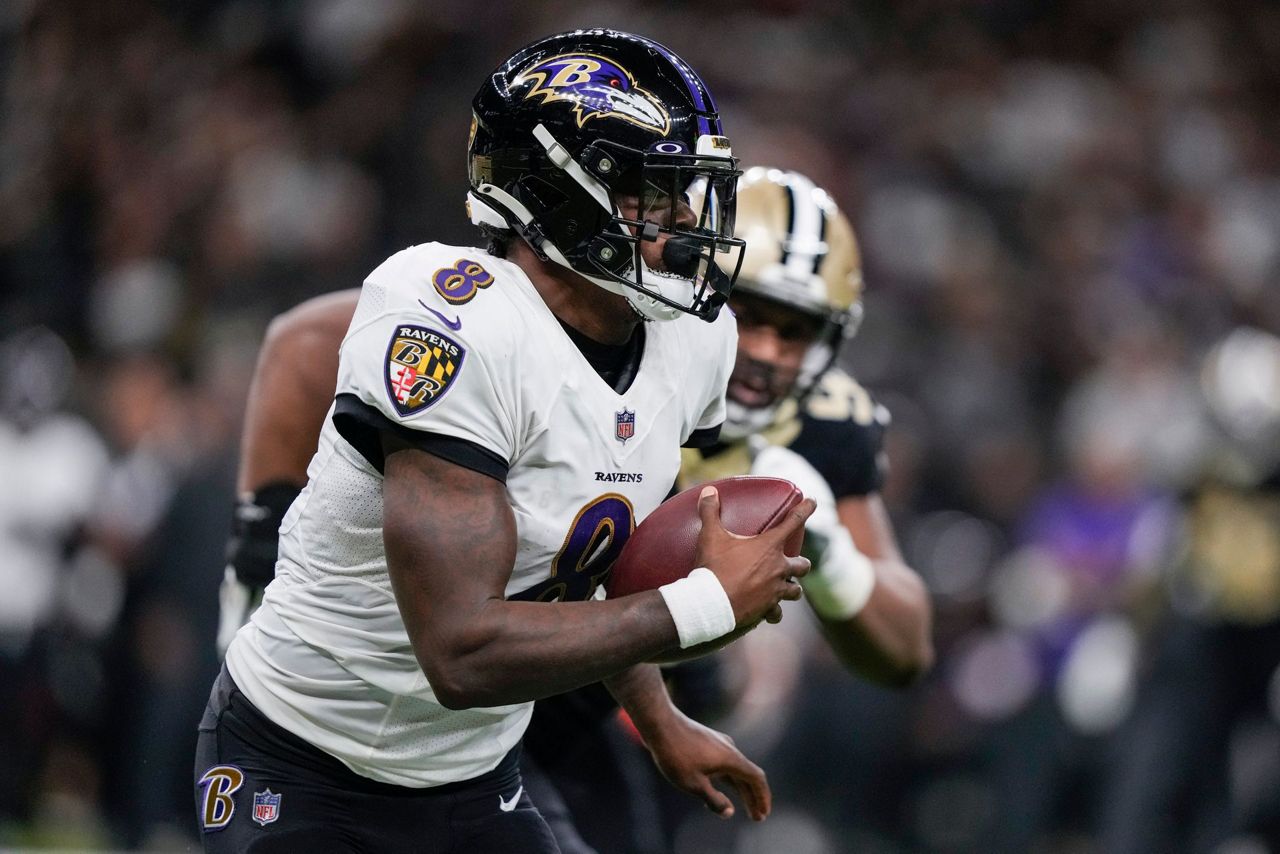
[458,344]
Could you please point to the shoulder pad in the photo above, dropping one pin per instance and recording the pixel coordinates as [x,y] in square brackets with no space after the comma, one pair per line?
[839,397]
[442,278]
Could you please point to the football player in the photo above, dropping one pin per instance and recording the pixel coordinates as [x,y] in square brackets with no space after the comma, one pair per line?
[793,414]
[790,414]
[438,572]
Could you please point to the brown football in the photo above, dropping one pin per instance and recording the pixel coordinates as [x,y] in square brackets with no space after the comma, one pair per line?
[662,548]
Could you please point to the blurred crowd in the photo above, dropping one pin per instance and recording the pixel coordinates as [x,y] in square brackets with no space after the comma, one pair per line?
[1070,218]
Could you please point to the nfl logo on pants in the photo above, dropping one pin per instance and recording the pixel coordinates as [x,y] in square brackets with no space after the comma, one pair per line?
[624,425]
[266,807]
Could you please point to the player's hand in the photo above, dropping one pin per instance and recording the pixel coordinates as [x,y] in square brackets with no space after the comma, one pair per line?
[692,757]
[842,578]
[754,572]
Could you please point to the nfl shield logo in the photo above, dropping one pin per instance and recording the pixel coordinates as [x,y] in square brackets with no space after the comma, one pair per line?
[624,424]
[266,807]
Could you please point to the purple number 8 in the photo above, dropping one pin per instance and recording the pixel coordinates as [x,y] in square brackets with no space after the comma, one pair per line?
[593,543]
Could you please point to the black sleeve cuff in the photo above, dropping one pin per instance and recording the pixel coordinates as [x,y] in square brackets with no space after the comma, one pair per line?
[704,438]
[362,426]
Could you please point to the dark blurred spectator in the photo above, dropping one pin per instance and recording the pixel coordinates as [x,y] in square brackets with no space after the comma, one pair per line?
[1197,763]
[59,595]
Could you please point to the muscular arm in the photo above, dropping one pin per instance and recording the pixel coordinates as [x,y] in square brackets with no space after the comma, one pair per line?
[292,389]
[889,641]
[641,691]
[451,539]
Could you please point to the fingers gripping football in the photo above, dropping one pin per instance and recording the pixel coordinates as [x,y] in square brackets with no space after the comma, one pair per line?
[755,572]
[721,576]
[843,578]
[775,461]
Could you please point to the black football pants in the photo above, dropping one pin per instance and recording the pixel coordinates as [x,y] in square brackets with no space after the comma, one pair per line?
[260,788]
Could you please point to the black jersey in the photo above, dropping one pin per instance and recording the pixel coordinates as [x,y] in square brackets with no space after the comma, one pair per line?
[839,430]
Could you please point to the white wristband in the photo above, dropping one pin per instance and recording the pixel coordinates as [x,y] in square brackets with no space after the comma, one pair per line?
[699,607]
[841,581]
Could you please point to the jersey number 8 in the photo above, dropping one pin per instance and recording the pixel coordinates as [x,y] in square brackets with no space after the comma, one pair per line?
[593,543]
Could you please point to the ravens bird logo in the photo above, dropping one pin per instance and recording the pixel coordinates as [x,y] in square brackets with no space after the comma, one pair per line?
[597,87]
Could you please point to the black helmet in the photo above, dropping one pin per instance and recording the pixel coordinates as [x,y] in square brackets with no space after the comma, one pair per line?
[573,121]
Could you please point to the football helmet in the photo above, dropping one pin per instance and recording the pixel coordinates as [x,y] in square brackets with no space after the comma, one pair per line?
[574,122]
[801,252]
[1240,383]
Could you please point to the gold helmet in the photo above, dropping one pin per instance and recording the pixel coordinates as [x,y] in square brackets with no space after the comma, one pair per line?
[801,249]
[801,252]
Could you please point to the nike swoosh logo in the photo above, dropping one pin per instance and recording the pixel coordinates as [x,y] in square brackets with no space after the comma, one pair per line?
[455,325]
[508,806]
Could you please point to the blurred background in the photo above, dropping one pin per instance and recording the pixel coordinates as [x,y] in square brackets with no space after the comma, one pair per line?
[1070,217]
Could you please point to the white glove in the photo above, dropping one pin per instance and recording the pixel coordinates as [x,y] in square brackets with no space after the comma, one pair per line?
[236,603]
[842,577]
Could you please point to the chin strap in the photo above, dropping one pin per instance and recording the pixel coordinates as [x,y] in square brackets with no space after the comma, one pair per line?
[563,160]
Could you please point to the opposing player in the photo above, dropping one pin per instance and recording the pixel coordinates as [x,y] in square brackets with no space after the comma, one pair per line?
[793,414]
[429,575]
[292,390]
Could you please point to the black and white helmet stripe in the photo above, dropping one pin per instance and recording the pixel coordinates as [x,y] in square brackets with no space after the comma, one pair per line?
[808,209]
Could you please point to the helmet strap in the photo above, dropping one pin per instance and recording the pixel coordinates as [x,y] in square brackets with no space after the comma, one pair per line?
[560,157]
[563,160]
[485,203]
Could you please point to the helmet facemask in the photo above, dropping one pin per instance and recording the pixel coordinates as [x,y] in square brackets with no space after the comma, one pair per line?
[570,210]
[698,226]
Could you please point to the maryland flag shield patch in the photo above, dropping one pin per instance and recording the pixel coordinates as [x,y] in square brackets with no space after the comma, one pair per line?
[421,365]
